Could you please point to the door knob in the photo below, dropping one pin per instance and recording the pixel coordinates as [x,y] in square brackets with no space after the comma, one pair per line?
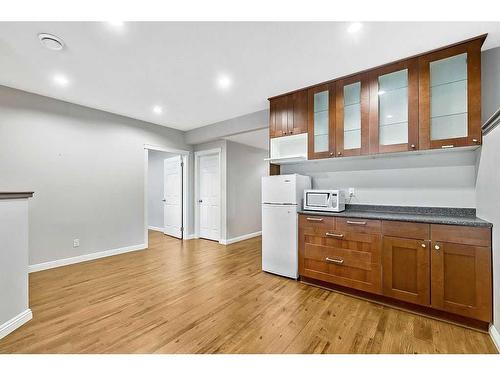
[436,247]
[200,200]
[164,200]
[423,245]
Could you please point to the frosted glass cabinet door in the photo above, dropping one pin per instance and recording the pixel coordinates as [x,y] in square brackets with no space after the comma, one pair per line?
[450,96]
[352,102]
[319,121]
[394,108]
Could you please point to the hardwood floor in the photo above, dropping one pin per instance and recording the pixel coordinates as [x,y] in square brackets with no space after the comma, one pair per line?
[201,297]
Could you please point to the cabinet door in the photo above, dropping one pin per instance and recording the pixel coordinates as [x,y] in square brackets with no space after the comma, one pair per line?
[352,121]
[394,107]
[280,115]
[450,97]
[406,269]
[298,123]
[321,121]
[461,279]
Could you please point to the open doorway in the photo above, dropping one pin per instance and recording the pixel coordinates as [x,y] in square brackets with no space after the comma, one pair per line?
[166,191]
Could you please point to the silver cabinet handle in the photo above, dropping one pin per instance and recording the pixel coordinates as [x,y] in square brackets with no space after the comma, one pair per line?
[164,200]
[334,235]
[336,261]
[447,146]
[423,245]
[313,219]
[436,246]
[356,222]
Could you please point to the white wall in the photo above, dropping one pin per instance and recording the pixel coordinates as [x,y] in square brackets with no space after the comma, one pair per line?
[444,179]
[86,168]
[245,169]
[488,205]
[155,187]
[13,261]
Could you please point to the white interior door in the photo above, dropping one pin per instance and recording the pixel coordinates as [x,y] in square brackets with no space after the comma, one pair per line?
[209,197]
[172,196]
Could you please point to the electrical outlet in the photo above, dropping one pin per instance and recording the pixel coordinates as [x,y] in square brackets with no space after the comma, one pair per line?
[76,242]
[352,193]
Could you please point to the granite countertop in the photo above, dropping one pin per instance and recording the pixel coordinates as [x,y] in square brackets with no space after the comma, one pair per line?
[15,194]
[431,215]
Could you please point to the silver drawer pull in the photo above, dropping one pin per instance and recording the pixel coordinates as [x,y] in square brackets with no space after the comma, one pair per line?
[356,222]
[336,261]
[334,235]
[313,219]
[447,146]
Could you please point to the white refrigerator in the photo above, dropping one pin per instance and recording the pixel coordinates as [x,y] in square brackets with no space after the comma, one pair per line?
[281,198]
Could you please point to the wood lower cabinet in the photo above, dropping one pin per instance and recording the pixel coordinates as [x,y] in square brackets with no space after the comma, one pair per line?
[406,269]
[461,272]
[440,267]
[348,258]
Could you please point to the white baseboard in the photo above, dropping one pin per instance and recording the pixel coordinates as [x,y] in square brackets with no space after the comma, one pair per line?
[158,229]
[83,258]
[240,238]
[495,336]
[189,237]
[16,322]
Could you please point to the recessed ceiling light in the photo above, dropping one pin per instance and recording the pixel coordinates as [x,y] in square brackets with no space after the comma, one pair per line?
[224,82]
[51,42]
[60,80]
[116,24]
[157,109]
[354,27]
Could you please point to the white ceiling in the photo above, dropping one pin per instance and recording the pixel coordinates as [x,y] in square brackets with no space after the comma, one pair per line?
[257,138]
[128,70]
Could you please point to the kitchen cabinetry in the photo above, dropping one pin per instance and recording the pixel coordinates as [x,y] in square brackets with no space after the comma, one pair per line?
[345,257]
[440,267]
[288,114]
[406,262]
[450,96]
[432,100]
[394,108]
[461,271]
[352,115]
[321,122]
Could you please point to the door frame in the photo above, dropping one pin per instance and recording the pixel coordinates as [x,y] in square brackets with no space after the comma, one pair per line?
[222,193]
[185,154]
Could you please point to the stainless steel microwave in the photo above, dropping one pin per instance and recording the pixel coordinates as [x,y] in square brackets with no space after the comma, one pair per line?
[324,200]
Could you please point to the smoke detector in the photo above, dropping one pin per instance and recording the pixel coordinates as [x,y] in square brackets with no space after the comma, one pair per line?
[51,42]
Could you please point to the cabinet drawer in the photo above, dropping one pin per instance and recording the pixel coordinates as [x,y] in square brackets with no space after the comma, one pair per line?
[403,229]
[358,225]
[353,261]
[312,224]
[477,236]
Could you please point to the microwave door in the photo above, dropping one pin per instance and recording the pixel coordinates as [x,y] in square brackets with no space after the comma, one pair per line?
[317,200]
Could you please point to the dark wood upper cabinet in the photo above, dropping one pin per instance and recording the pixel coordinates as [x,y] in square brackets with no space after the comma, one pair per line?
[299,111]
[279,116]
[352,108]
[288,114]
[432,100]
[321,121]
[450,96]
[394,107]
